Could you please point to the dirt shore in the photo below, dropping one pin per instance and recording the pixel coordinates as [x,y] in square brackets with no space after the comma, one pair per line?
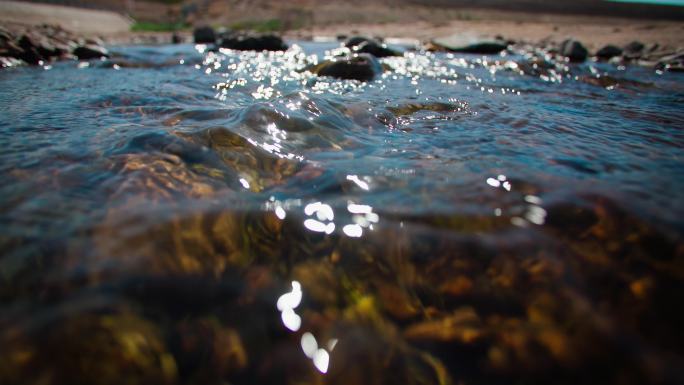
[77,20]
[419,23]
[593,31]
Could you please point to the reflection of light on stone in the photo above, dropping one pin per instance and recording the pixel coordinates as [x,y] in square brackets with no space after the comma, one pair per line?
[354,231]
[291,320]
[244,183]
[309,344]
[321,359]
[332,343]
[359,182]
[280,212]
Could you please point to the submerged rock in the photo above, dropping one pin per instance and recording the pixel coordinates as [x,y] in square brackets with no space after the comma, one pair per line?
[608,52]
[252,42]
[362,67]
[464,45]
[574,50]
[88,52]
[204,35]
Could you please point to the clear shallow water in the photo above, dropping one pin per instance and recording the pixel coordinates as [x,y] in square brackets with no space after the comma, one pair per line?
[460,219]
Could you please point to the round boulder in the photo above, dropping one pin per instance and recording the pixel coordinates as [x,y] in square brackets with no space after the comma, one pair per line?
[574,50]
[204,35]
[362,67]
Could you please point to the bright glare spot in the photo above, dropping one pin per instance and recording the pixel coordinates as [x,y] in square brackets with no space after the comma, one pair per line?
[321,359]
[244,183]
[330,228]
[497,212]
[507,185]
[309,344]
[325,213]
[493,182]
[359,209]
[332,343]
[354,231]
[312,208]
[315,225]
[359,182]
[292,299]
[501,177]
[280,213]
[291,320]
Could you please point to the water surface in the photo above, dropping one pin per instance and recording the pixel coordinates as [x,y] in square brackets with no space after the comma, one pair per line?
[179,216]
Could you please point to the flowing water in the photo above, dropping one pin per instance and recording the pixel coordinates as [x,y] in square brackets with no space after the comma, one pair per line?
[174,215]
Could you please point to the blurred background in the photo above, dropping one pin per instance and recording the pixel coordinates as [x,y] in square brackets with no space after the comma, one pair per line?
[279,15]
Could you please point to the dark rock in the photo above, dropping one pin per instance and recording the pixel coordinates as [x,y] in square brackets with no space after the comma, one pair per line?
[375,49]
[87,52]
[204,35]
[462,45]
[608,52]
[634,48]
[362,67]
[250,42]
[176,38]
[673,63]
[356,41]
[574,50]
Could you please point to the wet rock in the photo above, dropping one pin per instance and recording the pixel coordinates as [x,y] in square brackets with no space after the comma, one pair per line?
[375,49]
[88,52]
[252,42]
[204,35]
[463,45]
[9,62]
[574,50]
[362,67]
[674,62]
[355,41]
[608,52]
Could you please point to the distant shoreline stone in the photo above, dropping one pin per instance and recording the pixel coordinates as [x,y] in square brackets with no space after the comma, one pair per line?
[43,44]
